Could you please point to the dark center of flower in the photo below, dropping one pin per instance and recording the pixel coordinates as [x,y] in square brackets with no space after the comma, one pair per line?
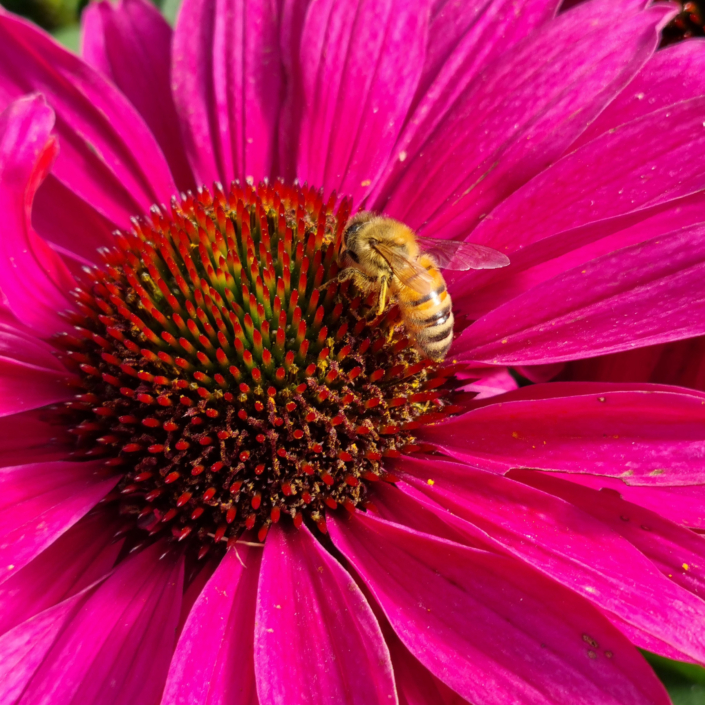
[227,381]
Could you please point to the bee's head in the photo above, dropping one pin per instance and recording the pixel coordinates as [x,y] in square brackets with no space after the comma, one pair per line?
[360,237]
[355,227]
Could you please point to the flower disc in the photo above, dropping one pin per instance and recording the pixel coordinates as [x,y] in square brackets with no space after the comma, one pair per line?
[232,380]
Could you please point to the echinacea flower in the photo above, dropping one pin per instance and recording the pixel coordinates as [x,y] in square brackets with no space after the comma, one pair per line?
[224,480]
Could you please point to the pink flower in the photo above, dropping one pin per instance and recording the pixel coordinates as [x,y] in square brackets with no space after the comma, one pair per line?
[221,482]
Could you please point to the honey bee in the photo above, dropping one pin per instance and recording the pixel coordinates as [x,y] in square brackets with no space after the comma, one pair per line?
[381,254]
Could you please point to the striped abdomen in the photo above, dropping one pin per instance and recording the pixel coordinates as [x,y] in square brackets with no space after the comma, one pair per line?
[428,318]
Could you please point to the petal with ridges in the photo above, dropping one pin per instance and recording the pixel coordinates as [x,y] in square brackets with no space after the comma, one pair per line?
[360,61]
[671,75]
[25,387]
[41,501]
[70,224]
[490,627]
[24,648]
[116,650]
[475,33]
[464,39]
[677,552]
[31,434]
[628,168]
[21,344]
[568,545]
[78,558]
[684,505]
[214,659]
[640,295]
[226,84]
[130,43]
[647,437]
[457,178]
[316,638]
[415,684]
[537,262]
[293,16]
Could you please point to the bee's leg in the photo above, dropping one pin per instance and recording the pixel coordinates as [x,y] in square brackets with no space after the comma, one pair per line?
[343,275]
[382,302]
[359,279]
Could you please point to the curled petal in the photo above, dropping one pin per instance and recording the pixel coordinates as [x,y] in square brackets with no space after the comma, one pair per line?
[108,155]
[32,277]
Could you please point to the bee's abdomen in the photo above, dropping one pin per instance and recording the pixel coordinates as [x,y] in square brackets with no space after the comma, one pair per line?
[429,318]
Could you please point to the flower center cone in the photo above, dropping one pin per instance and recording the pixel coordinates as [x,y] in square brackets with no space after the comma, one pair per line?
[230,379]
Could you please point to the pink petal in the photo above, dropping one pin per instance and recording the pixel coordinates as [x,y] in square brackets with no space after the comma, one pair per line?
[473,34]
[293,16]
[196,580]
[567,545]
[669,76]
[316,639]
[491,628]
[25,387]
[641,295]
[32,277]
[69,223]
[550,256]
[569,389]
[32,435]
[497,381]
[615,178]
[214,660]
[457,178]
[227,83]
[465,38]
[415,684]
[646,437]
[388,503]
[681,363]
[130,43]
[108,155]
[117,648]
[78,558]
[360,61]
[681,505]
[24,648]
[39,502]
[17,342]
[677,552]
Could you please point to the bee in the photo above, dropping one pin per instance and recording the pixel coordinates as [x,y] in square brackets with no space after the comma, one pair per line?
[383,255]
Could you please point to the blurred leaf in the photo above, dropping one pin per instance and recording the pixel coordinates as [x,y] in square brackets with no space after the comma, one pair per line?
[69,36]
[685,682]
[170,8]
[49,14]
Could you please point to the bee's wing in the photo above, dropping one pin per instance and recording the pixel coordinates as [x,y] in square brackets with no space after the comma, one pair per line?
[452,254]
[408,271]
